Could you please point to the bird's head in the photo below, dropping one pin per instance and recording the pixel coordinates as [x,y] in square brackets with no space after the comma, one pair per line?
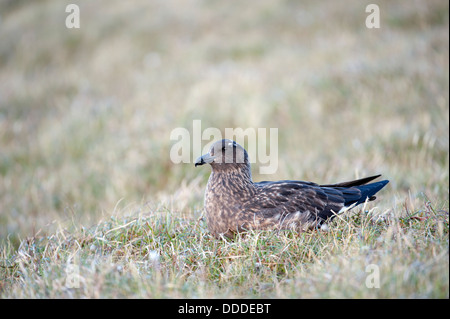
[224,154]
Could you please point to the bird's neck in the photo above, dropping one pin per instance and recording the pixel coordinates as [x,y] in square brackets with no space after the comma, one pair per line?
[233,180]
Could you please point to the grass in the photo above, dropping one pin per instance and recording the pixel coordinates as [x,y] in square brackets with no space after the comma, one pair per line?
[86,182]
[165,256]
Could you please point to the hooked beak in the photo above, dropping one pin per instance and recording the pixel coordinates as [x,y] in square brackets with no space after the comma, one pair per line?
[204,159]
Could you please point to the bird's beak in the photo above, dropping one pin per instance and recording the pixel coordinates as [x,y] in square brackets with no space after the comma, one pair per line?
[204,159]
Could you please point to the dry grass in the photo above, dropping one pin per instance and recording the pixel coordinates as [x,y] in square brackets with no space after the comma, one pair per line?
[86,116]
[164,256]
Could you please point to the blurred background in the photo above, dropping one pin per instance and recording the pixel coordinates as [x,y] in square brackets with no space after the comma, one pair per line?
[86,114]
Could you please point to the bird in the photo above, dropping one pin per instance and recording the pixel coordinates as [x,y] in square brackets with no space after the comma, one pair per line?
[234,204]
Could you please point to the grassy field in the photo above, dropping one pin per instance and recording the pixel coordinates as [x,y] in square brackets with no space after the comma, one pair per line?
[91,204]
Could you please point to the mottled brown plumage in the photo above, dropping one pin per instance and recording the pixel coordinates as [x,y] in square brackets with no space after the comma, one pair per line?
[234,203]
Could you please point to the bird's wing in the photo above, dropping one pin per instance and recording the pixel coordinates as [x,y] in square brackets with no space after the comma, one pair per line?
[356,182]
[286,198]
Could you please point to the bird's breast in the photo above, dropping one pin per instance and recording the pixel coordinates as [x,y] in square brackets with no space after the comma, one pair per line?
[223,205]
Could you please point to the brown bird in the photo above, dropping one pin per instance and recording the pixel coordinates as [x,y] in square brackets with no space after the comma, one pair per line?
[234,203]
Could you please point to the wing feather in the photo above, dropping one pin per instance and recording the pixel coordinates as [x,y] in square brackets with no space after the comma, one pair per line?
[294,198]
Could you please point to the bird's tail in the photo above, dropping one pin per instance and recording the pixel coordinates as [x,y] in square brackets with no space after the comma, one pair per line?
[368,191]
